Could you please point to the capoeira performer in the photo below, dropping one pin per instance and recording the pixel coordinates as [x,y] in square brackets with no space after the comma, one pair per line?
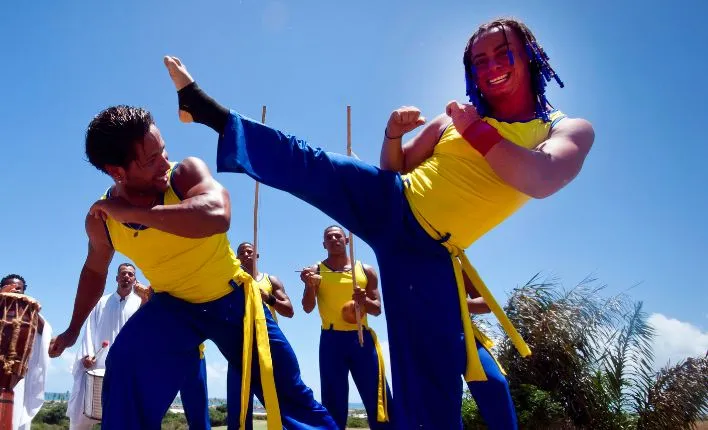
[464,173]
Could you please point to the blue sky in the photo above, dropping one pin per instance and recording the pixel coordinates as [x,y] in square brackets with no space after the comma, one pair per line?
[634,216]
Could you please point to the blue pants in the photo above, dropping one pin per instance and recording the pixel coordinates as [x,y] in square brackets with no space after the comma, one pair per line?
[166,331]
[195,399]
[340,353]
[427,348]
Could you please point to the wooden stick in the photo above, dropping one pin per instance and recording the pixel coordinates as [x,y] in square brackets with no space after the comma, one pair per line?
[255,212]
[357,309]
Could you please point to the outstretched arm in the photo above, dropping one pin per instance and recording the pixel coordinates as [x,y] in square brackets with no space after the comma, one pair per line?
[92,283]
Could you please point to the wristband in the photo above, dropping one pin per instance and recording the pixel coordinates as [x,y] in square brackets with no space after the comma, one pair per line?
[271,300]
[481,136]
[389,137]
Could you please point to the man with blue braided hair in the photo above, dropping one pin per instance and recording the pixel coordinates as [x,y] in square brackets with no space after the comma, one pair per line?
[464,173]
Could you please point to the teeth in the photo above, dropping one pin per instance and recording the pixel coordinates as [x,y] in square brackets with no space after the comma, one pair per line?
[499,79]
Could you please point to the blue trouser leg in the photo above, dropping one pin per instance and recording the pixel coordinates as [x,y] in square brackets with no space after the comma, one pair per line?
[298,407]
[492,396]
[170,330]
[233,409]
[195,398]
[137,395]
[334,375]
[364,364]
[424,330]
[363,198]
[427,351]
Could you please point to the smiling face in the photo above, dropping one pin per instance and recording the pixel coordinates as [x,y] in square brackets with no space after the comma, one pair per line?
[148,172]
[501,65]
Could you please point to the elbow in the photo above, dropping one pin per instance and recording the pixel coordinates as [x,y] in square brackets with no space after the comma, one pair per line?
[289,312]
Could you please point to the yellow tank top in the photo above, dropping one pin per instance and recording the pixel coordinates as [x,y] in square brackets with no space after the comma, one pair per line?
[456,192]
[202,347]
[265,285]
[195,270]
[336,289]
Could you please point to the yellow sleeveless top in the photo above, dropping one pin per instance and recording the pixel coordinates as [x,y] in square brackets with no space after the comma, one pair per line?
[194,270]
[336,289]
[265,285]
[456,192]
[202,347]
[198,271]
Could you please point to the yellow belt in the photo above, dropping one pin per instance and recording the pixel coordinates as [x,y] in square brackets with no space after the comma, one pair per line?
[254,318]
[460,263]
[381,399]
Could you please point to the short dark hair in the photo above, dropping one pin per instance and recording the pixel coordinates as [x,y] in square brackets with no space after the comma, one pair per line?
[125,265]
[111,135]
[334,226]
[243,244]
[6,280]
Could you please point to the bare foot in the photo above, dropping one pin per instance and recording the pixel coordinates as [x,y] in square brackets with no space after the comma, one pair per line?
[181,78]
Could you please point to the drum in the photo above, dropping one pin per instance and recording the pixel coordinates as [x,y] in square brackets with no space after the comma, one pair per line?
[92,395]
[19,318]
[349,312]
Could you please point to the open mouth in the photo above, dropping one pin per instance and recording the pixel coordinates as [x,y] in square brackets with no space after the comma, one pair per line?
[499,80]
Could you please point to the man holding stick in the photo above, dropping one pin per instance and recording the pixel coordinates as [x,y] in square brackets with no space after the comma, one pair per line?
[328,285]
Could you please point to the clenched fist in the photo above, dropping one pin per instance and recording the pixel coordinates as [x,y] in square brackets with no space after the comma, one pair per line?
[403,120]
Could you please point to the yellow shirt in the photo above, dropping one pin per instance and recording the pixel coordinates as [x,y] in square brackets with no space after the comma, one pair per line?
[456,191]
[335,290]
[194,270]
[264,284]
[455,195]
[198,271]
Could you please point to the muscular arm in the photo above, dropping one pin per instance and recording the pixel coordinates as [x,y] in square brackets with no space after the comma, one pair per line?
[406,157]
[546,169]
[475,303]
[92,281]
[282,302]
[204,211]
[309,297]
[373,300]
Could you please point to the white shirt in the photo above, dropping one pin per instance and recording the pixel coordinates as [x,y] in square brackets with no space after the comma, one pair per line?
[29,392]
[103,324]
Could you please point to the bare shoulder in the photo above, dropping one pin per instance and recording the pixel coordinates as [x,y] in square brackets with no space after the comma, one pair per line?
[579,130]
[192,176]
[275,281]
[97,232]
[368,269]
[191,168]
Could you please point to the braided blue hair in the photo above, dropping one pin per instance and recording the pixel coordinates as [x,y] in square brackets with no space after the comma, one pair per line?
[539,68]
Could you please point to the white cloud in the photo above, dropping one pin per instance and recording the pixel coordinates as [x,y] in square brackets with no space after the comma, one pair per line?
[676,340]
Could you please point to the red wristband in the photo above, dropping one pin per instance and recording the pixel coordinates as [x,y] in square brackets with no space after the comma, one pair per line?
[481,136]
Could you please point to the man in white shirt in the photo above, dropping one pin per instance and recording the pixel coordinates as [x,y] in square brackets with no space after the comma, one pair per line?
[103,325]
[29,392]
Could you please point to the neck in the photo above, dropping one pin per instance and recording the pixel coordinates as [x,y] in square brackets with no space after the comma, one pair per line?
[136,198]
[124,291]
[338,261]
[519,106]
[251,271]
